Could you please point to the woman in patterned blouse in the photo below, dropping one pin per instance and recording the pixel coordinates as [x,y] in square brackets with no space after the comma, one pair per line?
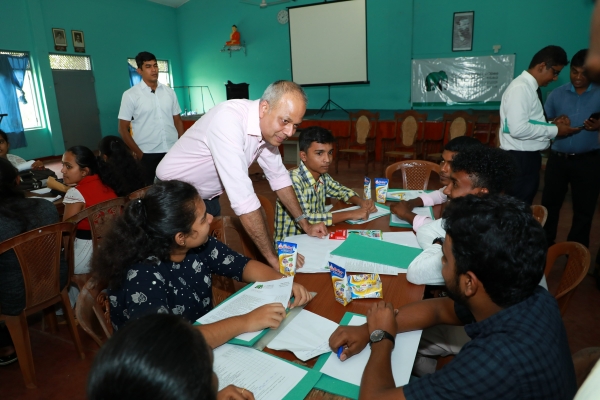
[158,258]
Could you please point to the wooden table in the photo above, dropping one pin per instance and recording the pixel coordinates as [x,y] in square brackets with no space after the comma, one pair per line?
[396,289]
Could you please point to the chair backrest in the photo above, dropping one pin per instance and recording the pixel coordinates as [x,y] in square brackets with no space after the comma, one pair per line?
[229,230]
[578,264]
[363,126]
[93,311]
[540,213]
[415,173]
[99,216]
[138,193]
[459,123]
[409,127]
[38,252]
[267,206]
[493,128]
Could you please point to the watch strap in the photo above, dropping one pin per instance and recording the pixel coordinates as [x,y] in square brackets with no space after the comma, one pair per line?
[386,335]
[300,218]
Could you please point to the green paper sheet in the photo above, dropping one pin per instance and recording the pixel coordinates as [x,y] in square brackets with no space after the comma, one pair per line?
[331,385]
[377,251]
[305,385]
[407,225]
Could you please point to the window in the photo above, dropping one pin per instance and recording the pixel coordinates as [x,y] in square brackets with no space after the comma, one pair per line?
[77,63]
[30,111]
[164,76]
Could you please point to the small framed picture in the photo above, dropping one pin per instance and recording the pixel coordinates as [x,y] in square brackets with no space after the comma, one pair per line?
[60,39]
[78,41]
[462,31]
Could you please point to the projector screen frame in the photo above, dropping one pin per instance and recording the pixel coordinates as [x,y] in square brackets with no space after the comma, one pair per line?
[365,82]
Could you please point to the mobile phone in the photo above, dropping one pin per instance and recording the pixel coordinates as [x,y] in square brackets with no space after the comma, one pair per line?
[595,115]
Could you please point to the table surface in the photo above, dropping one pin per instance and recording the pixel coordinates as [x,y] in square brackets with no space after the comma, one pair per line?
[396,289]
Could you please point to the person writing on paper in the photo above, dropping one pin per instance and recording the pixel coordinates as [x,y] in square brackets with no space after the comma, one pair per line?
[14,159]
[403,209]
[215,153]
[159,258]
[178,365]
[313,184]
[494,254]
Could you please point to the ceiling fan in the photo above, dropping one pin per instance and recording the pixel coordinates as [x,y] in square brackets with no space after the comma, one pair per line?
[264,3]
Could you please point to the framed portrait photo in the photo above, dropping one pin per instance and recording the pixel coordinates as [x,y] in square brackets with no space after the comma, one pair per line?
[78,41]
[462,31]
[60,39]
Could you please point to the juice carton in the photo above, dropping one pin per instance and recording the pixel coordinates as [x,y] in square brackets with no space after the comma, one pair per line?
[287,252]
[367,186]
[381,188]
[341,290]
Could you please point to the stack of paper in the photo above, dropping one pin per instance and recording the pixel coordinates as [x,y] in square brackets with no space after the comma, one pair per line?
[396,194]
[382,211]
[44,191]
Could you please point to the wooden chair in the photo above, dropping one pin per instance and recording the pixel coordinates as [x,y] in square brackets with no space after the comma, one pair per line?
[267,207]
[493,129]
[459,123]
[540,213]
[229,230]
[409,134]
[138,193]
[578,264]
[415,173]
[93,311]
[98,216]
[38,252]
[360,139]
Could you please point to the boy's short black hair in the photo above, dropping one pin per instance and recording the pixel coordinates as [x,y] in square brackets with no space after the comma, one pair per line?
[488,167]
[552,56]
[142,57]
[461,143]
[578,59]
[314,134]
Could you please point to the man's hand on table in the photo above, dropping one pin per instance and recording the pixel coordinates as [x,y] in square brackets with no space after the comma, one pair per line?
[403,209]
[353,338]
[360,213]
[37,165]
[369,205]
[382,316]
[318,230]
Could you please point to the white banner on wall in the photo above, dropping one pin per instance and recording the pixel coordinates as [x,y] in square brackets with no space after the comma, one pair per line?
[460,80]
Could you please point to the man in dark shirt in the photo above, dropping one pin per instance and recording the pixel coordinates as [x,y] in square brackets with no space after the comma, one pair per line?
[574,160]
[493,259]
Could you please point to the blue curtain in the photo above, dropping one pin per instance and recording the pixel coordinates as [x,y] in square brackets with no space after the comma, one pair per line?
[134,77]
[12,124]
[19,66]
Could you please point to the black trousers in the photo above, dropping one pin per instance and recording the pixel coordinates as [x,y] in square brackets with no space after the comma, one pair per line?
[149,162]
[528,175]
[582,172]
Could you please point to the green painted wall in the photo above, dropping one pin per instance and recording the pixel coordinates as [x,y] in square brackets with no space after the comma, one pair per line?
[114,30]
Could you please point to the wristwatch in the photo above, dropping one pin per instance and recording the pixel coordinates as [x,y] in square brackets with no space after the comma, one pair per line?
[378,335]
[300,218]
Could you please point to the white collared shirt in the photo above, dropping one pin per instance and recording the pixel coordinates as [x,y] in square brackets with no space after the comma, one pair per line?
[153,127]
[522,123]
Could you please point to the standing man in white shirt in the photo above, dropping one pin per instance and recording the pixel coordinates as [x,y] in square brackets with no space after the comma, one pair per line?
[215,153]
[524,130]
[153,111]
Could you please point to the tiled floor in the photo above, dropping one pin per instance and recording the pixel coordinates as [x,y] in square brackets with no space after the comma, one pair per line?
[62,375]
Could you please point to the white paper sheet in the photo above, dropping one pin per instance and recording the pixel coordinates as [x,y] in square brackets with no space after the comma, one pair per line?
[404,238]
[265,376]
[424,211]
[315,251]
[408,195]
[45,198]
[261,293]
[25,166]
[352,265]
[351,370]
[307,336]
[380,213]
[41,191]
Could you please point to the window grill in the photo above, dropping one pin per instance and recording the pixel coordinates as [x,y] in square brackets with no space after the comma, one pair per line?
[69,62]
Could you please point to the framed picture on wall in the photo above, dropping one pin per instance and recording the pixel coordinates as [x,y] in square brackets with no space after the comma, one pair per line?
[60,39]
[462,31]
[78,41]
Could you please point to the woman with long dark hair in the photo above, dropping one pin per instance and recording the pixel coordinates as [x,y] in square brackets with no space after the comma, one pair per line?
[159,258]
[117,155]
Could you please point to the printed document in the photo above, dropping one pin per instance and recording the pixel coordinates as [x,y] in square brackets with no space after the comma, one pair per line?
[381,211]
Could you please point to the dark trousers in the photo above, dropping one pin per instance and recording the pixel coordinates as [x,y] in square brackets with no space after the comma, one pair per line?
[149,162]
[213,207]
[582,172]
[528,175]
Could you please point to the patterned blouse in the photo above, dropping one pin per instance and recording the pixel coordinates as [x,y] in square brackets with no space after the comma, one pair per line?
[179,288]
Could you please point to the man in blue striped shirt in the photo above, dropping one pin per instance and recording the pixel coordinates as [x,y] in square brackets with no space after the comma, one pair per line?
[574,160]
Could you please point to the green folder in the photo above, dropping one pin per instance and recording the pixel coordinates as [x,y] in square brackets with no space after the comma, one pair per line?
[406,224]
[301,390]
[332,385]
[377,251]
[238,341]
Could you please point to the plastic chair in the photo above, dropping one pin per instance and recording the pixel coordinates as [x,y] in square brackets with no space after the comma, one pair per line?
[540,213]
[578,264]
[38,252]
[138,193]
[229,230]
[415,173]
[360,139]
[409,134]
[459,123]
[267,206]
[99,216]
[93,311]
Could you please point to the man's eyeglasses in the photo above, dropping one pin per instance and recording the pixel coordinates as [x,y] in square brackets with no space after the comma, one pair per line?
[555,71]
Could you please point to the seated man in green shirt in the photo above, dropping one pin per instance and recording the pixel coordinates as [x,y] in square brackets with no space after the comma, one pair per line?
[313,184]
